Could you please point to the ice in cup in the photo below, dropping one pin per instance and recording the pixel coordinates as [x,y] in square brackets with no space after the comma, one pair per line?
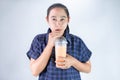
[60,47]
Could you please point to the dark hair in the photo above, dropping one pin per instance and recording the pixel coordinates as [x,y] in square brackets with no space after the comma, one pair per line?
[58,5]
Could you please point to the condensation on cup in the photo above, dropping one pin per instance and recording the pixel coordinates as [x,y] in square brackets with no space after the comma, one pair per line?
[60,47]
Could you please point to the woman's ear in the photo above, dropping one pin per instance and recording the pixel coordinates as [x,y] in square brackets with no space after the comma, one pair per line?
[47,19]
[68,19]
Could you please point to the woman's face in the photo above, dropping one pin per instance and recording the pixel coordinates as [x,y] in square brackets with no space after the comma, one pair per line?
[58,19]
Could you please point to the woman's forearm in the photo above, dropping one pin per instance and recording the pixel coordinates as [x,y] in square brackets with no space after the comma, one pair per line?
[38,65]
[82,67]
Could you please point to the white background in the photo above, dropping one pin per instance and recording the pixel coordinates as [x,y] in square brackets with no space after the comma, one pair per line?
[97,22]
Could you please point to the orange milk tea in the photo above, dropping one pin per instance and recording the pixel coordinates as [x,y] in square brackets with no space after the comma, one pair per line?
[60,51]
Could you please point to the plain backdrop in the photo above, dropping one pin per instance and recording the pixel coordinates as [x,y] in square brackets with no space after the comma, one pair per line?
[97,22]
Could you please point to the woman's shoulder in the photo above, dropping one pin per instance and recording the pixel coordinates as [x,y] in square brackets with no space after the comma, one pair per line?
[40,37]
[75,37]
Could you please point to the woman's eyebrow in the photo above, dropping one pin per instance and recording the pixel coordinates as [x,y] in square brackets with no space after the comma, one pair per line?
[56,16]
[53,16]
[63,16]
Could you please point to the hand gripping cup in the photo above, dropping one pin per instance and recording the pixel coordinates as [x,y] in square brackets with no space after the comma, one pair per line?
[60,47]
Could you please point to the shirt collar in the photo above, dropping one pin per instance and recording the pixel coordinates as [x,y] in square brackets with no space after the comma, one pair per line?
[66,34]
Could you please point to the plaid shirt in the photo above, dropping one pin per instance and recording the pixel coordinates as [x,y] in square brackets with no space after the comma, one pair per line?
[75,48]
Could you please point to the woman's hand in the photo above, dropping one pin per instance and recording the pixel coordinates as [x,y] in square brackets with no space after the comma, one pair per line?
[53,36]
[68,61]
[64,62]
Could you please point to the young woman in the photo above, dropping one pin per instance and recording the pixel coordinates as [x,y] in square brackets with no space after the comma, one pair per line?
[42,51]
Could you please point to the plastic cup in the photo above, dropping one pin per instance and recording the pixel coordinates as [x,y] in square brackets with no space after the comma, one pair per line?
[60,47]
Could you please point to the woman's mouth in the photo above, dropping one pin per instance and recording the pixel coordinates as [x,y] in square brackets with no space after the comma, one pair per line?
[57,29]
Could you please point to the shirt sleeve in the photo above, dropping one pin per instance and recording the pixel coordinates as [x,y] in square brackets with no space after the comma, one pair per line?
[34,51]
[85,53]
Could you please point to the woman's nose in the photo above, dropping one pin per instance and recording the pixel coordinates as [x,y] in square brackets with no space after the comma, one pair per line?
[58,23]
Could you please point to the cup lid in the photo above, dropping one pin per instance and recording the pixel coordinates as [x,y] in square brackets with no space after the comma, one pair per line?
[61,40]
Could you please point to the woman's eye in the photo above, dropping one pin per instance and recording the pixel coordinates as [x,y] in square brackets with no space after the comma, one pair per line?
[62,20]
[54,19]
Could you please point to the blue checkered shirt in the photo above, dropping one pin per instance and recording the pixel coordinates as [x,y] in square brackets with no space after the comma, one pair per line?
[75,48]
